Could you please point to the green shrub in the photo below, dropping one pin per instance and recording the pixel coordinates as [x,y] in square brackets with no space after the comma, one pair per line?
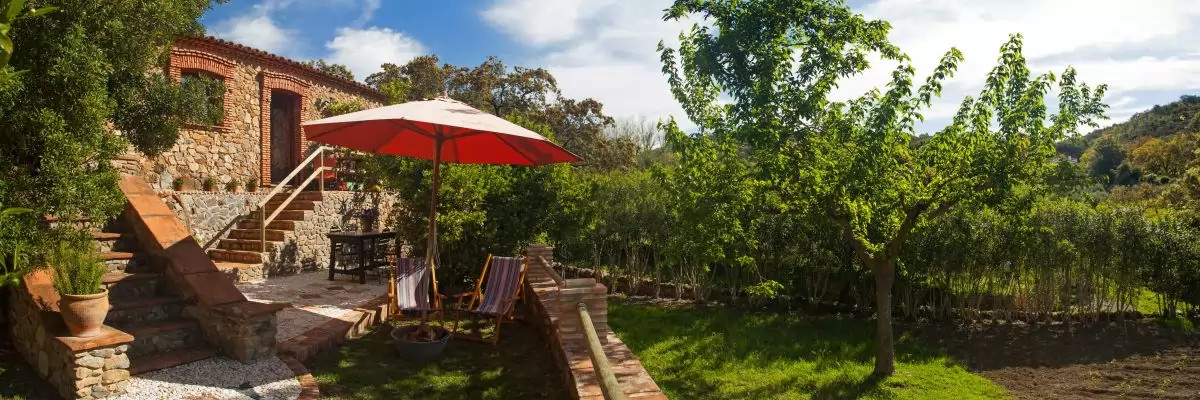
[77,270]
[210,184]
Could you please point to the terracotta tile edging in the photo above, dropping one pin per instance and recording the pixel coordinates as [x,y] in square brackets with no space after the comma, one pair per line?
[308,385]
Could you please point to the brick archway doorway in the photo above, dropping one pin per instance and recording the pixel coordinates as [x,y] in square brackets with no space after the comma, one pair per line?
[285,131]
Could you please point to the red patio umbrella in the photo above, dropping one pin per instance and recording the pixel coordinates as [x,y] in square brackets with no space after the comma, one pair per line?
[442,130]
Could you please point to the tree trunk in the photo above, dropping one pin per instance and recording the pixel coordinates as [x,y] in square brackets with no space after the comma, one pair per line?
[885,355]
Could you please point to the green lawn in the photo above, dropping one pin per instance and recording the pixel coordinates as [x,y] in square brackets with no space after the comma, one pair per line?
[721,353]
[369,368]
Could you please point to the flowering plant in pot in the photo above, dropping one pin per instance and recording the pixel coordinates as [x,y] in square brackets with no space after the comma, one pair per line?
[368,217]
[78,274]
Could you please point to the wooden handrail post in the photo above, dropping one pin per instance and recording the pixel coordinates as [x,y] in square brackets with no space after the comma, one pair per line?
[608,380]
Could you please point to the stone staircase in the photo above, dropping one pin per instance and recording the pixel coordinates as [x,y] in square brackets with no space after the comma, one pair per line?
[145,306]
[243,252]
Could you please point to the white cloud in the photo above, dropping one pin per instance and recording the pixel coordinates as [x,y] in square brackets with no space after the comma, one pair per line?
[257,31]
[364,50]
[1132,48]
[602,49]
[605,49]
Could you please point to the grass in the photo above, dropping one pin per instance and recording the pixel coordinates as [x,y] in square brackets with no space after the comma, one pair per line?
[368,368]
[721,353]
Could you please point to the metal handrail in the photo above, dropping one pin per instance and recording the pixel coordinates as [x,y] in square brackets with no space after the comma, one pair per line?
[608,380]
[289,177]
[264,220]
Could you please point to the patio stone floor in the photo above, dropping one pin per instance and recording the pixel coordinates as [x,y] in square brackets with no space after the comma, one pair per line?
[315,300]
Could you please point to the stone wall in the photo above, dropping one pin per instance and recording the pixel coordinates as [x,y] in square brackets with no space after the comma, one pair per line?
[79,368]
[238,148]
[209,214]
[553,306]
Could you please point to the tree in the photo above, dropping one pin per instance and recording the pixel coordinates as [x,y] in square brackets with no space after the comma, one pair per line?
[85,99]
[852,162]
[1167,156]
[338,70]
[1103,158]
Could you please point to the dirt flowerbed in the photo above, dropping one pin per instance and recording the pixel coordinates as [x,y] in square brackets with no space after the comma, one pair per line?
[1132,360]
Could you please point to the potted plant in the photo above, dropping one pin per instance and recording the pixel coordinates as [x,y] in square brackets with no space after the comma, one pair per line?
[252,185]
[78,275]
[210,184]
[232,186]
[420,343]
[177,184]
[368,217]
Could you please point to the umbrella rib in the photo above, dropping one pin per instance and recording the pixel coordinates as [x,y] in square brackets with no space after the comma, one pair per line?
[412,126]
[501,137]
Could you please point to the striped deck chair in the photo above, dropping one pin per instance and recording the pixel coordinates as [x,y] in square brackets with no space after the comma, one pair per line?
[496,300]
[408,288]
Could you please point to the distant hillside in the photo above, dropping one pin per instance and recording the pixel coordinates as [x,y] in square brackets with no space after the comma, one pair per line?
[1153,146]
[1182,115]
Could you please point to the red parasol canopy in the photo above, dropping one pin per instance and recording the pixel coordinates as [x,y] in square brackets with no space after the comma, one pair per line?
[441,129]
[413,129]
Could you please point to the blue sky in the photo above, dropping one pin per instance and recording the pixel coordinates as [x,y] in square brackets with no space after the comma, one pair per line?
[605,49]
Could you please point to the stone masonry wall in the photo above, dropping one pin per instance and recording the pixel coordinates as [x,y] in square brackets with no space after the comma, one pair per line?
[79,368]
[237,149]
[207,214]
[553,306]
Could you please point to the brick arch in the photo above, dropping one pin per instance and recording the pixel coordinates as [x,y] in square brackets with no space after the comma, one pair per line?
[274,81]
[184,60]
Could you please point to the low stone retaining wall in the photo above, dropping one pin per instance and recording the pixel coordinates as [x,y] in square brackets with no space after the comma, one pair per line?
[210,215]
[552,303]
[79,368]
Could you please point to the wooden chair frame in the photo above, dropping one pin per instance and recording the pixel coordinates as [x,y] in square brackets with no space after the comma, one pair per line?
[473,299]
[394,300]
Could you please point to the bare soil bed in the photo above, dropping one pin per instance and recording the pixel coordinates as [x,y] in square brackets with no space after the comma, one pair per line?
[1134,360]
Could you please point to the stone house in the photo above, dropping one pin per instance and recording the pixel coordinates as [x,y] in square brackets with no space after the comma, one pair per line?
[266,98]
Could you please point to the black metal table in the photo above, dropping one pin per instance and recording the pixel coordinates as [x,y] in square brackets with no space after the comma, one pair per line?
[371,248]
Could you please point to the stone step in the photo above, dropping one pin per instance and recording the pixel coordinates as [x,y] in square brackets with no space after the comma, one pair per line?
[296,204]
[285,215]
[153,362]
[248,245]
[132,311]
[278,225]
[123,261]
[242,272]
[305,195]
[255,234]
[106,242]
[245,257]
[164,336]
[123,285]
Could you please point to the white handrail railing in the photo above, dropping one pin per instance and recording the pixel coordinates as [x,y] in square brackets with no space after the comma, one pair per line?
[264,220]
[275,191]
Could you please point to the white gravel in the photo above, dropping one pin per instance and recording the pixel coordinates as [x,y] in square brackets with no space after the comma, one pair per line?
[217,378]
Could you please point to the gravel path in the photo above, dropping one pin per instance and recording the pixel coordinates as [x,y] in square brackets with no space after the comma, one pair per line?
[217,378]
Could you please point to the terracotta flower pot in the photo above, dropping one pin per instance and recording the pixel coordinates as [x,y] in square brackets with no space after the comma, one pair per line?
[84,314]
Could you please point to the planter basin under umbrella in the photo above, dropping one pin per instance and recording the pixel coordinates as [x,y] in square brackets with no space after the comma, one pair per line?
[441,130]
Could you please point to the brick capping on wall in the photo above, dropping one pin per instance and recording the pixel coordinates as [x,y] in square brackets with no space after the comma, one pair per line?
[553,304]
[242,329]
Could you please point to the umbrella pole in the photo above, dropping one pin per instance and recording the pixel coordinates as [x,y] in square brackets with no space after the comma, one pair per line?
[431,247]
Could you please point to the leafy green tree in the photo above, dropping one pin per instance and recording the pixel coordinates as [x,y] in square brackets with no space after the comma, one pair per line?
[1168,156]
[338,70]
[853,162]
[85,99]
[1103,158]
